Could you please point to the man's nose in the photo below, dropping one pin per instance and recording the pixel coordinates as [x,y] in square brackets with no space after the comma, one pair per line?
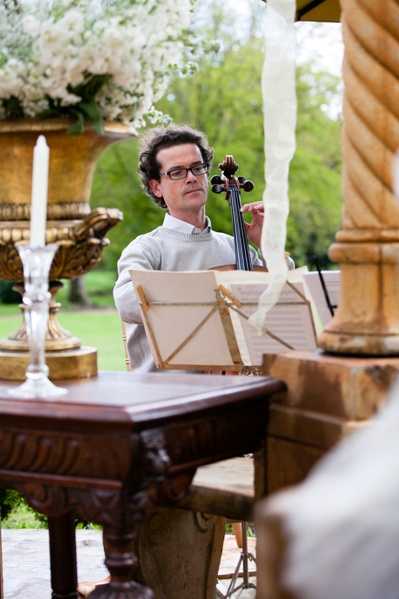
[190,176]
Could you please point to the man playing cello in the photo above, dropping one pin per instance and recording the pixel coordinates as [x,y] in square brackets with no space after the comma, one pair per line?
[173,165]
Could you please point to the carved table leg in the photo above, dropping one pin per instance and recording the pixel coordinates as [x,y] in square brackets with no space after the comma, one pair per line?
[64,580]
[121,561]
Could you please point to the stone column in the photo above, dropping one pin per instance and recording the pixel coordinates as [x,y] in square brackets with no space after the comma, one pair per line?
[367,246]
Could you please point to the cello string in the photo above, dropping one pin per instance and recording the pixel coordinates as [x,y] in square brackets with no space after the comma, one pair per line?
[235,230]
[242,241]
[243,230]
[237,236]
[238,233]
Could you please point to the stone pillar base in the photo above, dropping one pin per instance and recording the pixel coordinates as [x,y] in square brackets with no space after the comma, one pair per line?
[327,398]
[367,320]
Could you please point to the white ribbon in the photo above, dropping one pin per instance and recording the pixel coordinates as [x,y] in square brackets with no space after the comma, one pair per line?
[279,106]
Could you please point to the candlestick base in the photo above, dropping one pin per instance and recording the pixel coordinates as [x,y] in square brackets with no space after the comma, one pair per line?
[37,385]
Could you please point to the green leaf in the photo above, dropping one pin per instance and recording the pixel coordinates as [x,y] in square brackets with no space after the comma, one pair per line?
[13,108]
[92,113]
[90,88]
[79,126]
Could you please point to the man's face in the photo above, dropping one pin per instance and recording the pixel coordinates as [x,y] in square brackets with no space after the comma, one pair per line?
[183,196]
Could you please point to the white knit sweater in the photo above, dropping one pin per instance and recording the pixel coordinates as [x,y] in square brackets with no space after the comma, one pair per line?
[174,246]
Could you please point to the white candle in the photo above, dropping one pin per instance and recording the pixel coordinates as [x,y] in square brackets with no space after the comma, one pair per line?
[39,193]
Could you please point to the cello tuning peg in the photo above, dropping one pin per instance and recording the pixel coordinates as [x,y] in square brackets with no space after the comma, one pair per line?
[241,179]
[216,180]
[247,185]
[218,188]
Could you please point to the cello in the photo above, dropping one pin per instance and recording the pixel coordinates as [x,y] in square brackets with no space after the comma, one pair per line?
[231,185]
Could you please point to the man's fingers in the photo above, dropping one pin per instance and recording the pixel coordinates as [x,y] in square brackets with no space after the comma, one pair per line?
[253,207]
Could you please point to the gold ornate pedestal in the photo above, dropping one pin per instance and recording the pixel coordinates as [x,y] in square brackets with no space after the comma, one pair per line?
[68,364]
[79,232]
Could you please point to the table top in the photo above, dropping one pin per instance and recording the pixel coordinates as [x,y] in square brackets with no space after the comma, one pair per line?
[139,399]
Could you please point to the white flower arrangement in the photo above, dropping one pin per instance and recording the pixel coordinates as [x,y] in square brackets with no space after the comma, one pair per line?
[90,59]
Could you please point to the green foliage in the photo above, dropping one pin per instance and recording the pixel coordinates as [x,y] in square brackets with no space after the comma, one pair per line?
[223,98]
[315,175]
[315,208]
[8,499]
[12,108]
[86,110]
[15,512]
[7,293]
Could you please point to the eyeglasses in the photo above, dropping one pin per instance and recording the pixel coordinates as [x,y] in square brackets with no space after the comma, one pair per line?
[181,172]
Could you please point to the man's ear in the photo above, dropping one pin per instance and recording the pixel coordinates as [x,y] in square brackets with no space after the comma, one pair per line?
[155,187]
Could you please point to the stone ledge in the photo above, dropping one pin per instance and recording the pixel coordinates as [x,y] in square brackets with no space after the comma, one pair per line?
[343,387]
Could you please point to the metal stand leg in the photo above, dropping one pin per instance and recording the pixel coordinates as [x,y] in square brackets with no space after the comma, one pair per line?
[245,558]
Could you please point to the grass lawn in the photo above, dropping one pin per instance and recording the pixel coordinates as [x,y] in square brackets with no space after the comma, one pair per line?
[99,327]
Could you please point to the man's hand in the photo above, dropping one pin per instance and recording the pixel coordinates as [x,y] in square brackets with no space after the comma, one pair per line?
[254,228]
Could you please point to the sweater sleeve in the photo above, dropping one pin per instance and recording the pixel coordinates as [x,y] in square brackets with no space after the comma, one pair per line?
[256,260]
[141,254]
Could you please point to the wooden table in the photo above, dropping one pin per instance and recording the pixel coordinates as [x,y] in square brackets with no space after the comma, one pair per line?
[117,445]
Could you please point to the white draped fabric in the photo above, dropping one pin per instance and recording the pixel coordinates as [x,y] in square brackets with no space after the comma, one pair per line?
[278,85]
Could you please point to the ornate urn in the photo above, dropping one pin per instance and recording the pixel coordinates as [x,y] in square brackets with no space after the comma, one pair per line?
[79,232]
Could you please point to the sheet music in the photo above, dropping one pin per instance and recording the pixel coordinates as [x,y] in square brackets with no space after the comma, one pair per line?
[290,320]
[313,283]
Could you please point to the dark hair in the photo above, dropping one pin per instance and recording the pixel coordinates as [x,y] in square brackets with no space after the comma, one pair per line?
[160,138]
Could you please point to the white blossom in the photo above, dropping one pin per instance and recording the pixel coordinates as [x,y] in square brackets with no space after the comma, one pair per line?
[51,47]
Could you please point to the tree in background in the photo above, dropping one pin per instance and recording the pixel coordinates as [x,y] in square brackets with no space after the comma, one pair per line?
[223,98]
